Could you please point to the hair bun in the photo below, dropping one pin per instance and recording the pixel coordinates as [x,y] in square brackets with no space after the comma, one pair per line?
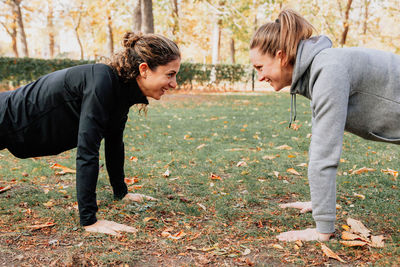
[130,39]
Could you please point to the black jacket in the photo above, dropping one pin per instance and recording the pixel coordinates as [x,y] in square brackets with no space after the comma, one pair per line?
[74,107]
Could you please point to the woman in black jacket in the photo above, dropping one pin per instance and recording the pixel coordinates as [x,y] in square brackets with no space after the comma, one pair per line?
[81,105]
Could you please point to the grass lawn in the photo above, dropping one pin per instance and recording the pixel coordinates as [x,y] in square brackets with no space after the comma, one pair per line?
[229,219]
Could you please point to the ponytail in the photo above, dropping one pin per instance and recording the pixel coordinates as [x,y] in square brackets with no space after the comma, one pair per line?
[284,34]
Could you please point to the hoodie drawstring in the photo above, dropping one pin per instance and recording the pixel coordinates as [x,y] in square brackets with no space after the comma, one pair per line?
[292,101]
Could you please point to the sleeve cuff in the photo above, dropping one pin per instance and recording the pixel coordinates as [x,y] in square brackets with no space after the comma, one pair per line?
[324,227]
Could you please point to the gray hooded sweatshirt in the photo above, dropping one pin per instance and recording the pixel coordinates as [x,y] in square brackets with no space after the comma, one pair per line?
[352,89]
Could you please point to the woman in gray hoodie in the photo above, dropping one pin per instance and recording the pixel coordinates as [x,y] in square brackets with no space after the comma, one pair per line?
[352,89]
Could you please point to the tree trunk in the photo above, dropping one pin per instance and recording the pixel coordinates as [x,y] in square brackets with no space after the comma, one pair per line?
[50,26]
[110,34]
[175,16]
[216,36]
[13,34]
[233,51]
[147,16]
[137,16]
[346,23]
[365,24]
[76,28]
[16,4]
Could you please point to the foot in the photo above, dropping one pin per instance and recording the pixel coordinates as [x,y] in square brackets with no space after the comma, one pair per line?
[310,234]
[138,197]
[109,227]
[302,206]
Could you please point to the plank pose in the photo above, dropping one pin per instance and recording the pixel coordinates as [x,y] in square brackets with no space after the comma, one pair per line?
[352,89]
[80,106]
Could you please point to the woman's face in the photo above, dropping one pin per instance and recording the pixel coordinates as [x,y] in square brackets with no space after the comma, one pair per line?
[154,83]
[272,69]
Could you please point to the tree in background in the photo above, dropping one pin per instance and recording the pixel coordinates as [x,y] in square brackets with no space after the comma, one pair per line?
[10,25]
[17,15]
[143,20]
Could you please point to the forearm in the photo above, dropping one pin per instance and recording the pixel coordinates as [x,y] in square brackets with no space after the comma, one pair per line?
[115,156]
[86,181]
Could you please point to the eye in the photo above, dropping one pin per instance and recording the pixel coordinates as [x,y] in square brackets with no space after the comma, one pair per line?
[170,75]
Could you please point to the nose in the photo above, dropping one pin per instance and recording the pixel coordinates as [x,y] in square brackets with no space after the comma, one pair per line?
[173,83]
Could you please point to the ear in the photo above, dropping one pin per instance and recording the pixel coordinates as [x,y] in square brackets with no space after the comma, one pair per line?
[282,58]
[143,69]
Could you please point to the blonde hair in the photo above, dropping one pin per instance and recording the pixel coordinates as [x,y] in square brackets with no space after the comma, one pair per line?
[284,34]
[153,49]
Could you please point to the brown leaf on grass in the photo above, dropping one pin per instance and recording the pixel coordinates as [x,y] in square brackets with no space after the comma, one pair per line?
[241,164]
[353,243]
[215,177]
[359,196]
[391,172]
[330,254]
[5,188]
[377,241]
[130,181]
[270,157]
[358,228]
[136,187]
[166,173]
[201,146]
[295,126]
[40,226]
[149,219]
[133,158]
[292,171]
[284,147]
[350,236]
[176,236]
[363,170]
[63,169]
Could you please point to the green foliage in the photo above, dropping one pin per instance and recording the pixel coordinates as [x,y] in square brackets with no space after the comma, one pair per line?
[19,71]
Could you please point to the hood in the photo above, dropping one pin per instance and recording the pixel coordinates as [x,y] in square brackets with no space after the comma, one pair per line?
[306,51]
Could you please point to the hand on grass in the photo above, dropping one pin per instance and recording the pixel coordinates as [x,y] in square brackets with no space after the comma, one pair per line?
[138,197]
[302,206]
[109,227]
[310,234]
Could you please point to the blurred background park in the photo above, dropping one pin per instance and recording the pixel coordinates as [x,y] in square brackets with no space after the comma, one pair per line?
[207,31]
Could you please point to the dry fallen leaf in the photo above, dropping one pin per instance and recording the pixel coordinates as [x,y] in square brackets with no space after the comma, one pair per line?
[201,146]
[134,159]
[391,172]
[302,165]
[202,206]
[49,203]
[241,164]
[39,226]
[359,196]
[377,241]
[130,181]
[353,243]
[277,246]
[358,228]
[166,173]
[283,147]
[292,171]
[149,219]
[215,177]
[363,170]
[350,236]
[5,188]
[64,170]
[330,254]
[276,174]
[270,157]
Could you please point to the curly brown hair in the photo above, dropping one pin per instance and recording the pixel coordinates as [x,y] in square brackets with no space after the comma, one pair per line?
[153,49]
